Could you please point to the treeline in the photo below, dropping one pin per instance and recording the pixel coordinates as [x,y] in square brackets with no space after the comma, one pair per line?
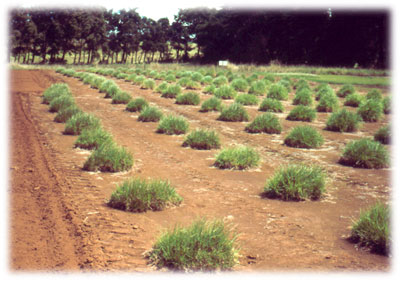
[319,37]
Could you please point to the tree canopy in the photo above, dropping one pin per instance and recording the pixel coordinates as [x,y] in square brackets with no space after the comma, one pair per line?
[318,37]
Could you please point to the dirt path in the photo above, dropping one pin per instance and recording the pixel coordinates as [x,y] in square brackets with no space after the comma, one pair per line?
[43,234]
[275,235]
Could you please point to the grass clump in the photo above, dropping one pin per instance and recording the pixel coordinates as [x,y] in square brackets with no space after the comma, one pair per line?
[345,90]
[374,94]
[296,182]
[239,84]
[202,139]
[137,195]
[302,113]
[323,89]
[121,97]
[383,135]
[386,103]
[54,91]
[112,91]
[239,158]
[365,153]
[343,121]
[92,138]
[206,80]
[278,91]
[211,104]
[189,98]
[271,105]
[173,125]
[209,89]
[136,105]
[301,84]
[171,91]
[61,102]
[67,112]
[353,100]
[225,92]
[106,85]
[220,80]
[371,110]
[246,99]
[109,157]
[148,83]
[303,97]
[258,88]
[328,103]
[372,229]
[150,114]
[234,113]
[161,87]
[202,246]
[304,137]
[80,121]
[265,123]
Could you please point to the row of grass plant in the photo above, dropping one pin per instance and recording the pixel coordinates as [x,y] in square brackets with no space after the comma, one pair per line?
[312,182]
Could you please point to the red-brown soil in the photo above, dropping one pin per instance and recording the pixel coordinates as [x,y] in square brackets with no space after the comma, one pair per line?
[59,219]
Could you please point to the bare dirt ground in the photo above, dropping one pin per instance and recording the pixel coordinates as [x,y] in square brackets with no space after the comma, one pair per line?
[59,219]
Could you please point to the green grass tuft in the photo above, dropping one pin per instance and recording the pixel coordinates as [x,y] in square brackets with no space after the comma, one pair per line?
[211,104]
[202,139]
[372,229]
[371,110]
[121,98]
[271,105]
[345,90]
[65,113]
[365,153]
[109,157]
[189,98]
[225,92]
[54,91]
[80,121]
[302,113]
[328,102]
[137,195]
[171,91]
[353,100]
[246,99]
[239,157]
[343,121]
[150,114]
[258,88]
[234,113]
[202,246]
[173,125]
[61,102]
[304,137]
[239,84]
[383,135]
[296,182]
[265,123]
[136,105]
[303,97]
[278,91]
[92,138]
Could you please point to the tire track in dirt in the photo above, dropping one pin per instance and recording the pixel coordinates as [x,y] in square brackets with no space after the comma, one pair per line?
[43,234]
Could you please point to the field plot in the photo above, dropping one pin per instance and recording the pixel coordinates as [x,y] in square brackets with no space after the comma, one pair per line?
[274,235]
